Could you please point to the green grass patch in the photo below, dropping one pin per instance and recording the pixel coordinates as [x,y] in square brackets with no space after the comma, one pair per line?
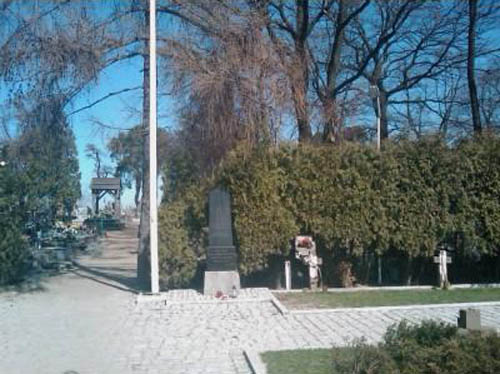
[308,300]
[307,361]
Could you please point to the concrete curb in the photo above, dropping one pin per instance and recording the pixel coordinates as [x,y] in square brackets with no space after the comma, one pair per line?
[399,307]
[281,308]
[254,361]
[476,285]
[397,288]
[152,298]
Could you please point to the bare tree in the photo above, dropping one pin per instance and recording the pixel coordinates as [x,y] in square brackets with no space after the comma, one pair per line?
[489,96]
[417,41]
[223,66]
[330,80]
[471,55]
[291,28]
[94,153]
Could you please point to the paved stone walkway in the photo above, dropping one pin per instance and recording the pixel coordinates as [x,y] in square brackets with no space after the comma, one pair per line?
[198,336]
[88,322]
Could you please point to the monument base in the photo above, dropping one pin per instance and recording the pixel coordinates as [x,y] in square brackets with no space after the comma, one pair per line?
[223,281]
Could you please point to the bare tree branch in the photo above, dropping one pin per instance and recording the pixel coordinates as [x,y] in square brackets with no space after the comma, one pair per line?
[101,99]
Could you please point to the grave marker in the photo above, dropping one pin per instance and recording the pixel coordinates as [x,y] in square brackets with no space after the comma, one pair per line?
[221,274]
[443,260]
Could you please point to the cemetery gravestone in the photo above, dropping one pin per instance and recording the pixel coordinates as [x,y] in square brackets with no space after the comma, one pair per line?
[469,319]
[443,260]
[305,250]
[221,275]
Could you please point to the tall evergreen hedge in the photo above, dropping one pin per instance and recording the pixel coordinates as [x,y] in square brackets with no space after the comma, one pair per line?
[406,200]
[14,253]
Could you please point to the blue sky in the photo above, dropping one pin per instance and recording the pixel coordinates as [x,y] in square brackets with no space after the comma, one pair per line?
[112,112]
[121,111]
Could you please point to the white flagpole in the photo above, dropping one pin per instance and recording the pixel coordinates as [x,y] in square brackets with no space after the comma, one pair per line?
[153,216]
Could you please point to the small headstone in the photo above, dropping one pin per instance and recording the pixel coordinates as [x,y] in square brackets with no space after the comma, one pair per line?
[469,319]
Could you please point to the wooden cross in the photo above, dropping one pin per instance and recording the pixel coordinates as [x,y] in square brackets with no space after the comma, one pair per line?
[443,260]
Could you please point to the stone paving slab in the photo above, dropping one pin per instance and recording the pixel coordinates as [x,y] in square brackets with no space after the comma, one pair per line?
[188,334]
[211,336]
[189,296]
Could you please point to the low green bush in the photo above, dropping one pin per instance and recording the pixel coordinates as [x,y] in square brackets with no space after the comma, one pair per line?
[14,254]
[430,347]
[362,358]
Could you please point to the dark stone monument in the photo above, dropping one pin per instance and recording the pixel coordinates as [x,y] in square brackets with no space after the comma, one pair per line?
[221,254]
[221,275]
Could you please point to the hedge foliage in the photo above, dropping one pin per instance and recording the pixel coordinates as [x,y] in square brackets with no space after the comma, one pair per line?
[430,347]
[407,199]
[14,253]
[181,237]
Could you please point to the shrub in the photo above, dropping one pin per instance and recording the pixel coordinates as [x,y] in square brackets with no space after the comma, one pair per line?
[430,347]
[14,254]
[411,346]
[361,358]
[181,238]
[437,348]
[428,334]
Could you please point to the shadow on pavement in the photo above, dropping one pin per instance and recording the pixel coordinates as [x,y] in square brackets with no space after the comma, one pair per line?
[108,276]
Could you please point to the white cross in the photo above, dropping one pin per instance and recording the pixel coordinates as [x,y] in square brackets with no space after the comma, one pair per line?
[443,260]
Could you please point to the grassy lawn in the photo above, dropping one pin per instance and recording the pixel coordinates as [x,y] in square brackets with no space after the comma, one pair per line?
[309,361]
[308,300]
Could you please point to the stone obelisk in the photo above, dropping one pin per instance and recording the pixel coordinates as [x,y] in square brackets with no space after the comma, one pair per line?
[221,275]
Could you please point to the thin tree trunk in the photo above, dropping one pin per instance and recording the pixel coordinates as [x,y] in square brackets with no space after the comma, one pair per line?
[368,260]
[143,254]
[332,124]
[98,164]
[304,129]
[497,268]
[408,272]
[384,123]
[301,103]
[138,180]
[471,80]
